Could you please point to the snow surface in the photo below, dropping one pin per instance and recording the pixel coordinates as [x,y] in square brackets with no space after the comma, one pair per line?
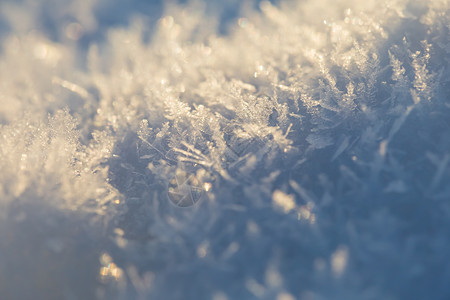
[316,136]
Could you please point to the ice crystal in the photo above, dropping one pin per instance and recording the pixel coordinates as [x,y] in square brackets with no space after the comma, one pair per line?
[305,145]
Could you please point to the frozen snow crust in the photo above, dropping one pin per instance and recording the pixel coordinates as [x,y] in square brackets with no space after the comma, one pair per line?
[316,132]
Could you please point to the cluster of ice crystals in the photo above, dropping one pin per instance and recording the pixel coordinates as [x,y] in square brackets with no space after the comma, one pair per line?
[316,135]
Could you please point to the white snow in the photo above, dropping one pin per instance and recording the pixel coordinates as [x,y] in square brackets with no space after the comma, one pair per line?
[314,137]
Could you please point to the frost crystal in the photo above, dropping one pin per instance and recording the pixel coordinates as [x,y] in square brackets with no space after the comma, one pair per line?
[206,150]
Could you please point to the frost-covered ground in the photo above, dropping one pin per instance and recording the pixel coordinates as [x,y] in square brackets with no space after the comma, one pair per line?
[315,133]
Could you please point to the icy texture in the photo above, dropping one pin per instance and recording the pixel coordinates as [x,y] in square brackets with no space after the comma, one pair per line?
[316,135]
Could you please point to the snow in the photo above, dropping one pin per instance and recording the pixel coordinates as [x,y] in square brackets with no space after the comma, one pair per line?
[208,150]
